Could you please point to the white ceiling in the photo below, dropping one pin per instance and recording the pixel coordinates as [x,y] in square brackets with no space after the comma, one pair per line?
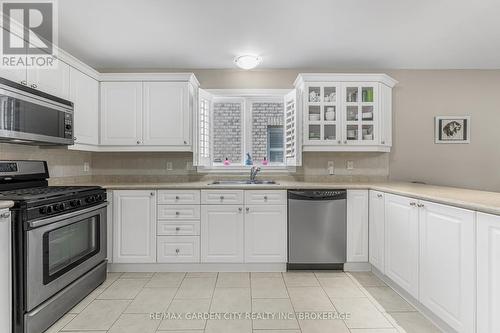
[339,34]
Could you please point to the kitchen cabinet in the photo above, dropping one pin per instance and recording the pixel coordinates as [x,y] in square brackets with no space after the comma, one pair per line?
[401,242]
[346,112]
[109,226]
[488,273]
[5,272]
[222,233]
[134,226]
[178,249]
[121,113]
[84,93]
[18,75]
[447,263]
[266,233]
[54,81]
[167,115]
[357,226]
[376,222]
[141,112]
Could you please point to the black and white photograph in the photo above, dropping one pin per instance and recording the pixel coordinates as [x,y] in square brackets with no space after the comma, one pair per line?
[452,129]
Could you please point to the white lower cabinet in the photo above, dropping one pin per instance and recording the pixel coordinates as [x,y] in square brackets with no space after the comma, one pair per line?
[357,226]
[172,249]
[265,233]
[488,273]
[222,233]
[376,230]
[134,226]
[5,272]
[447,263]
[401,242]
[109,227]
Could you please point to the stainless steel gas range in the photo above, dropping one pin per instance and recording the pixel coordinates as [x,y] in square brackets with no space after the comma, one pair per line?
[59,243]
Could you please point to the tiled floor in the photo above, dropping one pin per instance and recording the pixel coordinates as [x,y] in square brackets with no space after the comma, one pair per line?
[125,302]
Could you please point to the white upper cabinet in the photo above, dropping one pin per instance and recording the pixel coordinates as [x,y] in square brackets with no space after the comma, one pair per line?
[148,112]
[167,115]
[488,273]
[54,81]
[447,263]
[346,112]
[357,225]
[84,93]
[401,242]
[121,113]
[377,229]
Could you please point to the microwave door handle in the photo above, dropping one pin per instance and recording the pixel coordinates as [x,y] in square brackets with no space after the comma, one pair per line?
[50,220]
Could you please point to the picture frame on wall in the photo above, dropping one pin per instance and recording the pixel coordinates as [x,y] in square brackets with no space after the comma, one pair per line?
[452,129]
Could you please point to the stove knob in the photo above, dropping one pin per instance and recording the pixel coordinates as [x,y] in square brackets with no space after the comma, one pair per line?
[43,210]
[78,202]
[56,207]
[88,199]
[72,203]
[61,207]
[99,197]
[49,209]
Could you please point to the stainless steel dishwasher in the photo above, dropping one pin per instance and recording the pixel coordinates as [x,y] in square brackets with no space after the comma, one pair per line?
[317,229]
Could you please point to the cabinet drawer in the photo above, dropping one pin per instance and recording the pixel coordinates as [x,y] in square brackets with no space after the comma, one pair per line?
[181,197]
[174,228]
[222,197]
[262,197]
[178,212]
[178,249]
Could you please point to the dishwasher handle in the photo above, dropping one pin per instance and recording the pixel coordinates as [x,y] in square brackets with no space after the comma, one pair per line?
[317,195]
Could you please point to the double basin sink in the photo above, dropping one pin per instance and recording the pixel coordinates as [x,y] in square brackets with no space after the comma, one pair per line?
[243,182]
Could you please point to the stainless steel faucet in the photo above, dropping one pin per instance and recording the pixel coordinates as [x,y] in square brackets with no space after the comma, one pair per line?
[253,173]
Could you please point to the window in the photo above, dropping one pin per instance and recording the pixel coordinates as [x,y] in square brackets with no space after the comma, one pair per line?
[233,126]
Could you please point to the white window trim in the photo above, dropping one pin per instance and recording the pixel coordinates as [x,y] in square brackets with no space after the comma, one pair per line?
[245,96]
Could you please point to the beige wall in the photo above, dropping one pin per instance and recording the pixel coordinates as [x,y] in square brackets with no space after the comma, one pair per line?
[419,96]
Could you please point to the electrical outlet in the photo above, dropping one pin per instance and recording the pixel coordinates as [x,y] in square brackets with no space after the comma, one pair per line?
[170,166]
[331,168]
[86,166]
[350,165]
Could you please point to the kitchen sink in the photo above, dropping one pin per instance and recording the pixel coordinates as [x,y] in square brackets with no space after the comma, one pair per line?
[243,182]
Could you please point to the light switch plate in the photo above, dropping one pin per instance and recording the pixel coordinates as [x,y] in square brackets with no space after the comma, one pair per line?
[350,165]
[331,168]
[170,166]
[86,166]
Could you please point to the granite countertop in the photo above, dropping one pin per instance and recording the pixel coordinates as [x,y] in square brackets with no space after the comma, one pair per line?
[483,201]
[6,204]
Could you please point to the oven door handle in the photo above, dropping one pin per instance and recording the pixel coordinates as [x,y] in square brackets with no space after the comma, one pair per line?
[40,223]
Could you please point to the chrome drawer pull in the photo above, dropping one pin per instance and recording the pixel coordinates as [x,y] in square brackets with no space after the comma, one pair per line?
[177,251]
[177,228]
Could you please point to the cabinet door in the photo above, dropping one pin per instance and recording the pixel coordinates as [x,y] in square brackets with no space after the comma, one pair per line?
[5,272]
[488,273]
[385,115]
[447,264]
[109,224]
[357,226]
[84,93]
[322,114]
[376,230]
[167,118]
[121,113]
[134,226]
[360,114]
[221,233]
[401,242]
[265,233]
[54,81]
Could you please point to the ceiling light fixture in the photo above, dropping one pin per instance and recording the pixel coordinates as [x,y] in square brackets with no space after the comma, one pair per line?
[247,61]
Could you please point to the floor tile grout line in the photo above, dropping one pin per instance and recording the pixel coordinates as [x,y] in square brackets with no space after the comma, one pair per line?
[211,300]
[173,298]
[290,298]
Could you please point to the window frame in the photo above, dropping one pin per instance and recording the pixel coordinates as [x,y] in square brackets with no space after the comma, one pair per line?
[247,97]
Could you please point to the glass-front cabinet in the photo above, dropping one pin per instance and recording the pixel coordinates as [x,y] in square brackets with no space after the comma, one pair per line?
[346,112]
[322,108]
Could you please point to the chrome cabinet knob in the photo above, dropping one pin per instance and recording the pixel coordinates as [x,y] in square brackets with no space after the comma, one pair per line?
[339,142]
[177,228]
[23,82]
[265,198]
[185,142]
[177,213]
[379,195]
[248,210]
[177,251]
[382,142]
[240,209]
[5,215]
[413,204]
[138,142]
[222,197]
[33,86]
[152,194]
[177,197]
[420,205]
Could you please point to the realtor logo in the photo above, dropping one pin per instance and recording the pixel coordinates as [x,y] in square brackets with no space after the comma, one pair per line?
[28,34]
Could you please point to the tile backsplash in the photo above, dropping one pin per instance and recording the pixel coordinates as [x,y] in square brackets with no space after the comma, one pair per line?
[68,166]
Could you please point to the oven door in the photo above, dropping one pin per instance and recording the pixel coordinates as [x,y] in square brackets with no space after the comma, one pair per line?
[61,249]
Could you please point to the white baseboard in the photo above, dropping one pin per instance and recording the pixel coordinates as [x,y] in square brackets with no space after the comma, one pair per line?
[198,267]
[415,303]
[357,267]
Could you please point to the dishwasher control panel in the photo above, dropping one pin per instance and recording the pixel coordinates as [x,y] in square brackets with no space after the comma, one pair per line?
[317,194]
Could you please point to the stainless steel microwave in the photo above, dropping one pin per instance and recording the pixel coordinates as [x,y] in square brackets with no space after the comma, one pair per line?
[29,116]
